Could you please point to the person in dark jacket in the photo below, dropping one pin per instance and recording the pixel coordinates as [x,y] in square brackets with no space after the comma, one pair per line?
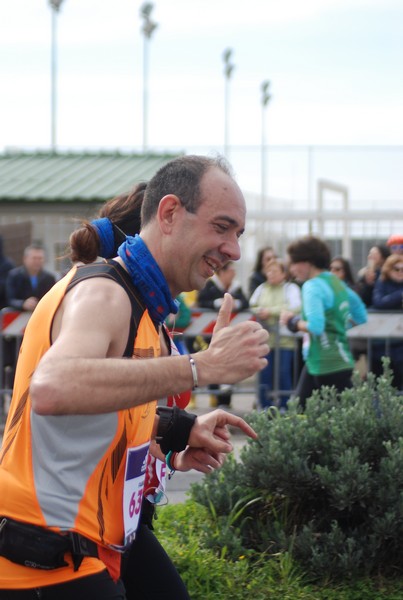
[6,264]
[388,291]
[211,297]
[388,295]
[25,285]
[368,275]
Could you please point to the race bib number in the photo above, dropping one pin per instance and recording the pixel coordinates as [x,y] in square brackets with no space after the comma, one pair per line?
[136,464]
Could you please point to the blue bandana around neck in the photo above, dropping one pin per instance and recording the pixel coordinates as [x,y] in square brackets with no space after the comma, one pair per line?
[148,278]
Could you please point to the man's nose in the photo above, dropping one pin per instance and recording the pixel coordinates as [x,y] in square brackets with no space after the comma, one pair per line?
[231,249]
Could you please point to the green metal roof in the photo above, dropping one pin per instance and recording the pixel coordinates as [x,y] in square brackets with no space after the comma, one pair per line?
[73,177]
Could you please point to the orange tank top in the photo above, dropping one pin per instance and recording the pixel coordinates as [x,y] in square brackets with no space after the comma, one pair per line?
[67,472]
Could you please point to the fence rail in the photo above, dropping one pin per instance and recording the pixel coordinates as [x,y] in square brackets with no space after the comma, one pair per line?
[382,328]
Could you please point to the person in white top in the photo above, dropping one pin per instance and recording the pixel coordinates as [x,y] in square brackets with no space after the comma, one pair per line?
[267,302]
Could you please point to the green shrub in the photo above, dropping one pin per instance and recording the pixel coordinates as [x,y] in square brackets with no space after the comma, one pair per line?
[324,486]
[181,529]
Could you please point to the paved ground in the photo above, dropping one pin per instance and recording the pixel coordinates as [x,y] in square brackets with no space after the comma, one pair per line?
[179,484]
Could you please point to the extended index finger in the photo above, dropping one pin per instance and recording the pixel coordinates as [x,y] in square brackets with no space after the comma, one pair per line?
[229,419]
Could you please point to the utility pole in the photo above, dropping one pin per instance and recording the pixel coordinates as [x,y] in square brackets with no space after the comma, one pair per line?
[228,70]
[147,29]
[266,97]
[55,7]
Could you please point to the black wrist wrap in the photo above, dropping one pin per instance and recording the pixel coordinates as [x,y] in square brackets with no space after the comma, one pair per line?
[174,428]
[292,324]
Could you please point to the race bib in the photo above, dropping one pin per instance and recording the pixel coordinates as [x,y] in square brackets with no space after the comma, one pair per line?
[136,463]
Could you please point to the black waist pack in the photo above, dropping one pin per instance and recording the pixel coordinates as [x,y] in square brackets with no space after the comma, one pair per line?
[39,548]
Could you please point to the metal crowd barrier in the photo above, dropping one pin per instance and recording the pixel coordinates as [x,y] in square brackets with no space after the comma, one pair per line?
[201,328]
[382,326]
[12,327]
[381,335]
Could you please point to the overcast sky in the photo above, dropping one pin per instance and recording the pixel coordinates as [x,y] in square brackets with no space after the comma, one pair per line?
[335,68]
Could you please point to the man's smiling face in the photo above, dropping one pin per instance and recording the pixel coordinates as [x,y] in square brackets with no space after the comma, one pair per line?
[209,238]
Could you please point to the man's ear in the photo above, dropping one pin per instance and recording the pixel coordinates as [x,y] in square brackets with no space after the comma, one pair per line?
[168,210]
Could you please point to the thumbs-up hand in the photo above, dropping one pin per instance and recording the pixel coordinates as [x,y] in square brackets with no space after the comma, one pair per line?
[235,353]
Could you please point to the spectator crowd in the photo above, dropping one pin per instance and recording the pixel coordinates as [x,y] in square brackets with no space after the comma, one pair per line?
[277,295]
[311,350]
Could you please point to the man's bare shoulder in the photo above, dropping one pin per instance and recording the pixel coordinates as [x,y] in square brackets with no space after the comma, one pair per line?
[96,309]
[98,290]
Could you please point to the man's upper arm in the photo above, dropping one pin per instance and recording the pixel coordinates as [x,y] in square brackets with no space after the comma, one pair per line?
[94,321]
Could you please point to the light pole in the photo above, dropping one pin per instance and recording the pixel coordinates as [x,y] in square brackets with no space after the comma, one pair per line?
[147,29]
[266,97]
[55,6]
[228,70]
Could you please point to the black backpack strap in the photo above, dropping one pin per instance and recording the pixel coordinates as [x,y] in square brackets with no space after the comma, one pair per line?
[112,270]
